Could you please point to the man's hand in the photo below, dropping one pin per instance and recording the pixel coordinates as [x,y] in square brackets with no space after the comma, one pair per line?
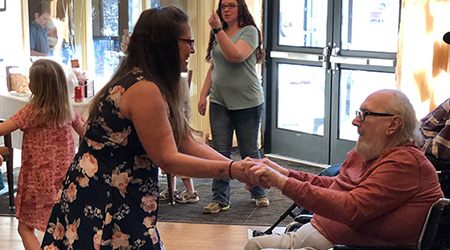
[273,165]
[263,175]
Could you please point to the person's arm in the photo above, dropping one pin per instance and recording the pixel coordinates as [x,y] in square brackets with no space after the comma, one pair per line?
[7,127]
[233,52]
[79,124]
[264,175]
[442,142]
[202,102]
[35,53]
[371,198]
[189,145]
[275,166]
[436,132]
[144,105]
[1,160]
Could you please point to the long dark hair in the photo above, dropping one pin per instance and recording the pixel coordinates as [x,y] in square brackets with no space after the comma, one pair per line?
[153,48]
[244,19]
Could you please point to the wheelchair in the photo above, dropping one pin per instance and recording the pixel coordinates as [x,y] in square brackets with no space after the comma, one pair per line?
[435,232]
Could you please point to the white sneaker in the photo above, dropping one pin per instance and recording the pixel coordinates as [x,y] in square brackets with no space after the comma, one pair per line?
[262,202]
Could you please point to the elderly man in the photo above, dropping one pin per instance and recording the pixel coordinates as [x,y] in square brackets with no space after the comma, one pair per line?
[382,194]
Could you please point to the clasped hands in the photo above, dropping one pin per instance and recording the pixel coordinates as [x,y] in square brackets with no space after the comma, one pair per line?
[260,172]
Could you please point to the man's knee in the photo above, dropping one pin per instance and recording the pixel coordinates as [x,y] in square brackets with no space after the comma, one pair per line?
[253,244]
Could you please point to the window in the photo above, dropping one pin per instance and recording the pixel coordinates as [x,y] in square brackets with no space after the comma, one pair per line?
[109,20]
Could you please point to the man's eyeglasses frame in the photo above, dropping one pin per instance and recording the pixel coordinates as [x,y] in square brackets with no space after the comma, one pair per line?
[362,114]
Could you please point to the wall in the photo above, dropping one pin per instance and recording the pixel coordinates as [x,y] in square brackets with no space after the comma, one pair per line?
[11,42]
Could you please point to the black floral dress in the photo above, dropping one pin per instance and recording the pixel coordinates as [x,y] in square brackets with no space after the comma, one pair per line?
[109,197]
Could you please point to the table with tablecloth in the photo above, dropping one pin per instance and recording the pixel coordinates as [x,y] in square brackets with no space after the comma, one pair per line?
[10,104]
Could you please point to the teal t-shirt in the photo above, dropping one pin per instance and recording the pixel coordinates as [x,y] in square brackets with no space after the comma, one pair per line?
[236,85]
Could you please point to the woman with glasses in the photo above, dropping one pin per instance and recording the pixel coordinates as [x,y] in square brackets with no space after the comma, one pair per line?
[236,95]
[137,123]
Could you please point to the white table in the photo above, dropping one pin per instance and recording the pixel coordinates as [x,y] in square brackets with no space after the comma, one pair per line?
[10,104]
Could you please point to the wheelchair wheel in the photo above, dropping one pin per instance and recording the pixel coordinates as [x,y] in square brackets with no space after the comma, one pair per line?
[293,226]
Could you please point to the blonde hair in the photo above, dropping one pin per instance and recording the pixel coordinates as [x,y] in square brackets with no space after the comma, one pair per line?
[49,94]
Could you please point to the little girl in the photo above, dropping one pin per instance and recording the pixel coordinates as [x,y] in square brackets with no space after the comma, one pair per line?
[48,147]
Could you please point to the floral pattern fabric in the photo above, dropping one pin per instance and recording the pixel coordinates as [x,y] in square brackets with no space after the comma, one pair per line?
[47,152]
[109,198]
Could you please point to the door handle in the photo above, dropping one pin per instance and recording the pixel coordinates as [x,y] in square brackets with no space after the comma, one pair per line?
[296,56]
[336,59]
[326,58]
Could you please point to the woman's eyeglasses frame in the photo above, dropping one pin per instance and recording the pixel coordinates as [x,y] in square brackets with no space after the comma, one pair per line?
[189,41]
[230,6]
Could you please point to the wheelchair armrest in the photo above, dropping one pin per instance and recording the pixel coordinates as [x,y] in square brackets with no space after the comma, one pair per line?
[345,247]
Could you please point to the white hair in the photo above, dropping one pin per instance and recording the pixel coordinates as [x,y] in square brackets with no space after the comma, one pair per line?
[409,131]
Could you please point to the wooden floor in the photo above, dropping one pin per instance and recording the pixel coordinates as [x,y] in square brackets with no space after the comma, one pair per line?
[176,236]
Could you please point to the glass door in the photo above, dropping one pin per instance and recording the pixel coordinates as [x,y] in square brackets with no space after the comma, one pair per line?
[325,58]
[298,39]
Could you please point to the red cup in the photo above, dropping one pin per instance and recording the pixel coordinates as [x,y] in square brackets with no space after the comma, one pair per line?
[79,93]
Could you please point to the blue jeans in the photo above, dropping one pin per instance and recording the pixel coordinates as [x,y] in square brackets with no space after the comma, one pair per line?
[246,124]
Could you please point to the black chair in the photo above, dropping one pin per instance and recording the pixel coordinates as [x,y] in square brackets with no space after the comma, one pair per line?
[442,238]
[425,240]
[7,153]
[428,231]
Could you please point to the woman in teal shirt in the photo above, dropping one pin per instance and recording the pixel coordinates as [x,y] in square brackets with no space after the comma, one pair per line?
[236,95]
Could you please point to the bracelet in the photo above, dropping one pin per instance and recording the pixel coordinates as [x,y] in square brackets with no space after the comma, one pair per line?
[229,170]
[216,30]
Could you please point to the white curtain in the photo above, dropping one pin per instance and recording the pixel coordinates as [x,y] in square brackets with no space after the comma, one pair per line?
[422,59]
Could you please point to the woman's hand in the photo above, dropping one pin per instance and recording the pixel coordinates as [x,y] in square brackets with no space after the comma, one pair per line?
[214,21]
[263,175]
[237,171]
[202,105]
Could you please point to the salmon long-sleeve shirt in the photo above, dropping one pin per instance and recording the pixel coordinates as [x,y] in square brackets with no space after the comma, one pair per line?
[380,202]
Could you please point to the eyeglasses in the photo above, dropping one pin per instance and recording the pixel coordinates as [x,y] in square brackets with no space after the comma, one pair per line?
[230,6]
[362,114]
[189,41]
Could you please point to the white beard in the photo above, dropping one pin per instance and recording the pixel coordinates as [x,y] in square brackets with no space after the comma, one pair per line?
[369,147]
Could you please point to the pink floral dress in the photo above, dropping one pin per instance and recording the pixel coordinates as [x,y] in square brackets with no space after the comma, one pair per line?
[109,198]
[47,152]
